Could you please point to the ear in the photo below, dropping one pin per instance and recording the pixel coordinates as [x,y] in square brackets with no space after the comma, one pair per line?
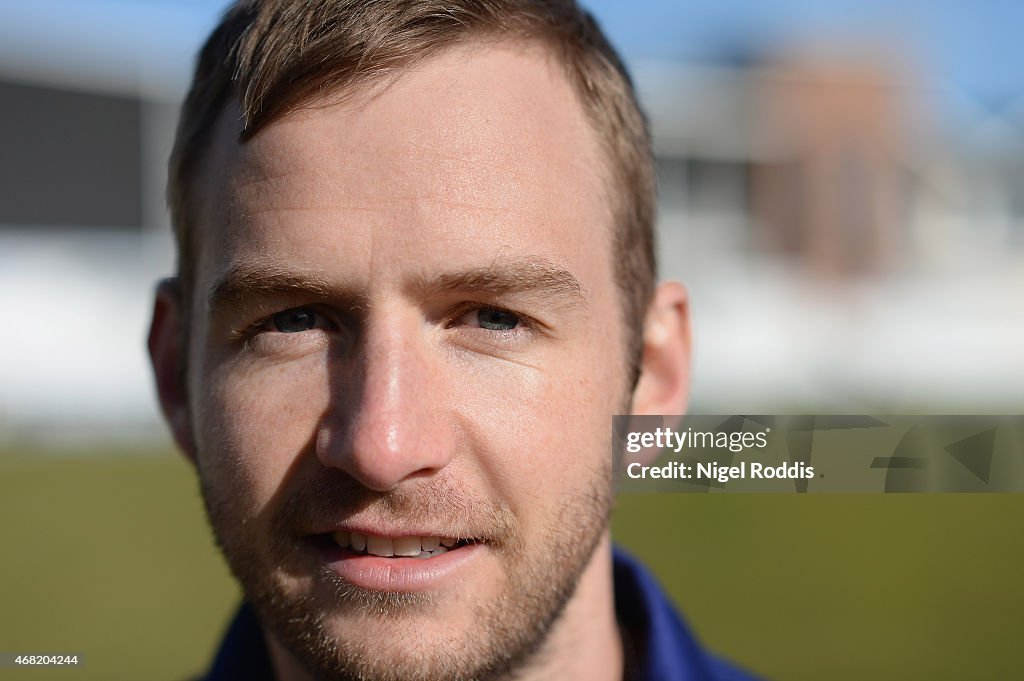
[664,385]
[167,355]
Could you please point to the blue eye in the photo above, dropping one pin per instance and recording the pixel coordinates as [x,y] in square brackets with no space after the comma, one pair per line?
[493,319]
[296,320]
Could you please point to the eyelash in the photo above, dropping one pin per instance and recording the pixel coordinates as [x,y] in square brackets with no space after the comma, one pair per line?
[526,323]
[249,332]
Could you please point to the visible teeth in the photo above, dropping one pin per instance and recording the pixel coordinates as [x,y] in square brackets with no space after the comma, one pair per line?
[387,547]
[380,546]
[407,546]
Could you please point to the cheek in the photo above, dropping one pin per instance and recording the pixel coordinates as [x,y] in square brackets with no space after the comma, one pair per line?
[543,439]
[577,418]
[253,424]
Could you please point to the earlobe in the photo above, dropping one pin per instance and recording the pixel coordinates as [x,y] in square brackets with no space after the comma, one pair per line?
[167,357]
[664,385]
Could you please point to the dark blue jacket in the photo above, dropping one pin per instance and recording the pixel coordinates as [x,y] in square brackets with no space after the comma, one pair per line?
[657,644]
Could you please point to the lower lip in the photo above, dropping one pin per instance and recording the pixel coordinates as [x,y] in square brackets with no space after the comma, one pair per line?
[411,575]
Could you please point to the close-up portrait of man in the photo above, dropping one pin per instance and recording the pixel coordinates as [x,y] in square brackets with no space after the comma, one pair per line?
[415,280]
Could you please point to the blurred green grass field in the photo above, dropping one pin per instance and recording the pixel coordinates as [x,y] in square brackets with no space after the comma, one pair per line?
[108,555]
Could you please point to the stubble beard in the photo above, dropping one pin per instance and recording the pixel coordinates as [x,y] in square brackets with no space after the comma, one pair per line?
[508,632]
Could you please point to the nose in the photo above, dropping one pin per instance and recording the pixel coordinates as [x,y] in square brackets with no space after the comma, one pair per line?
[388,419]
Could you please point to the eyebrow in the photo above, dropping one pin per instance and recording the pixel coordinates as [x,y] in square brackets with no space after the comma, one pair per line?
[533,275]
[247,283]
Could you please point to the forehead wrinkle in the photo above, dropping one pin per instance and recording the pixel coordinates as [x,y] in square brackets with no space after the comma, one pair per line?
[491,186]
[373,204]
[489,193]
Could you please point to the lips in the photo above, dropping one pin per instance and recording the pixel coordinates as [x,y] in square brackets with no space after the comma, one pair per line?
[398,562]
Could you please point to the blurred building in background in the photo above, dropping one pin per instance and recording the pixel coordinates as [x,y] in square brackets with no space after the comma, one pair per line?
[846,250]
[85,131]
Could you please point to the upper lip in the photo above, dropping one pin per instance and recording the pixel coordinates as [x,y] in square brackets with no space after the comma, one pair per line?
[394,531]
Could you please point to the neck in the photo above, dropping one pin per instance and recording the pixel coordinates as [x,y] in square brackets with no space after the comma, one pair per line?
[583,644]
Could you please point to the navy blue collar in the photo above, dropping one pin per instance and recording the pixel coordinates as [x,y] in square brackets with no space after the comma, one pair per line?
[659,646]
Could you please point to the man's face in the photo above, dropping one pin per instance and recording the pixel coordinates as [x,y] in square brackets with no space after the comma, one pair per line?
[405,333]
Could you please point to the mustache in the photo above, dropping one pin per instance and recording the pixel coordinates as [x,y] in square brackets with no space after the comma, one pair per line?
[438,503]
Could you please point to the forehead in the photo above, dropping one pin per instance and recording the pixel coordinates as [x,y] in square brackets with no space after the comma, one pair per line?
[475,151]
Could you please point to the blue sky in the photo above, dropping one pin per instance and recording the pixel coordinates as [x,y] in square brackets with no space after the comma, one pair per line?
[974,47]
